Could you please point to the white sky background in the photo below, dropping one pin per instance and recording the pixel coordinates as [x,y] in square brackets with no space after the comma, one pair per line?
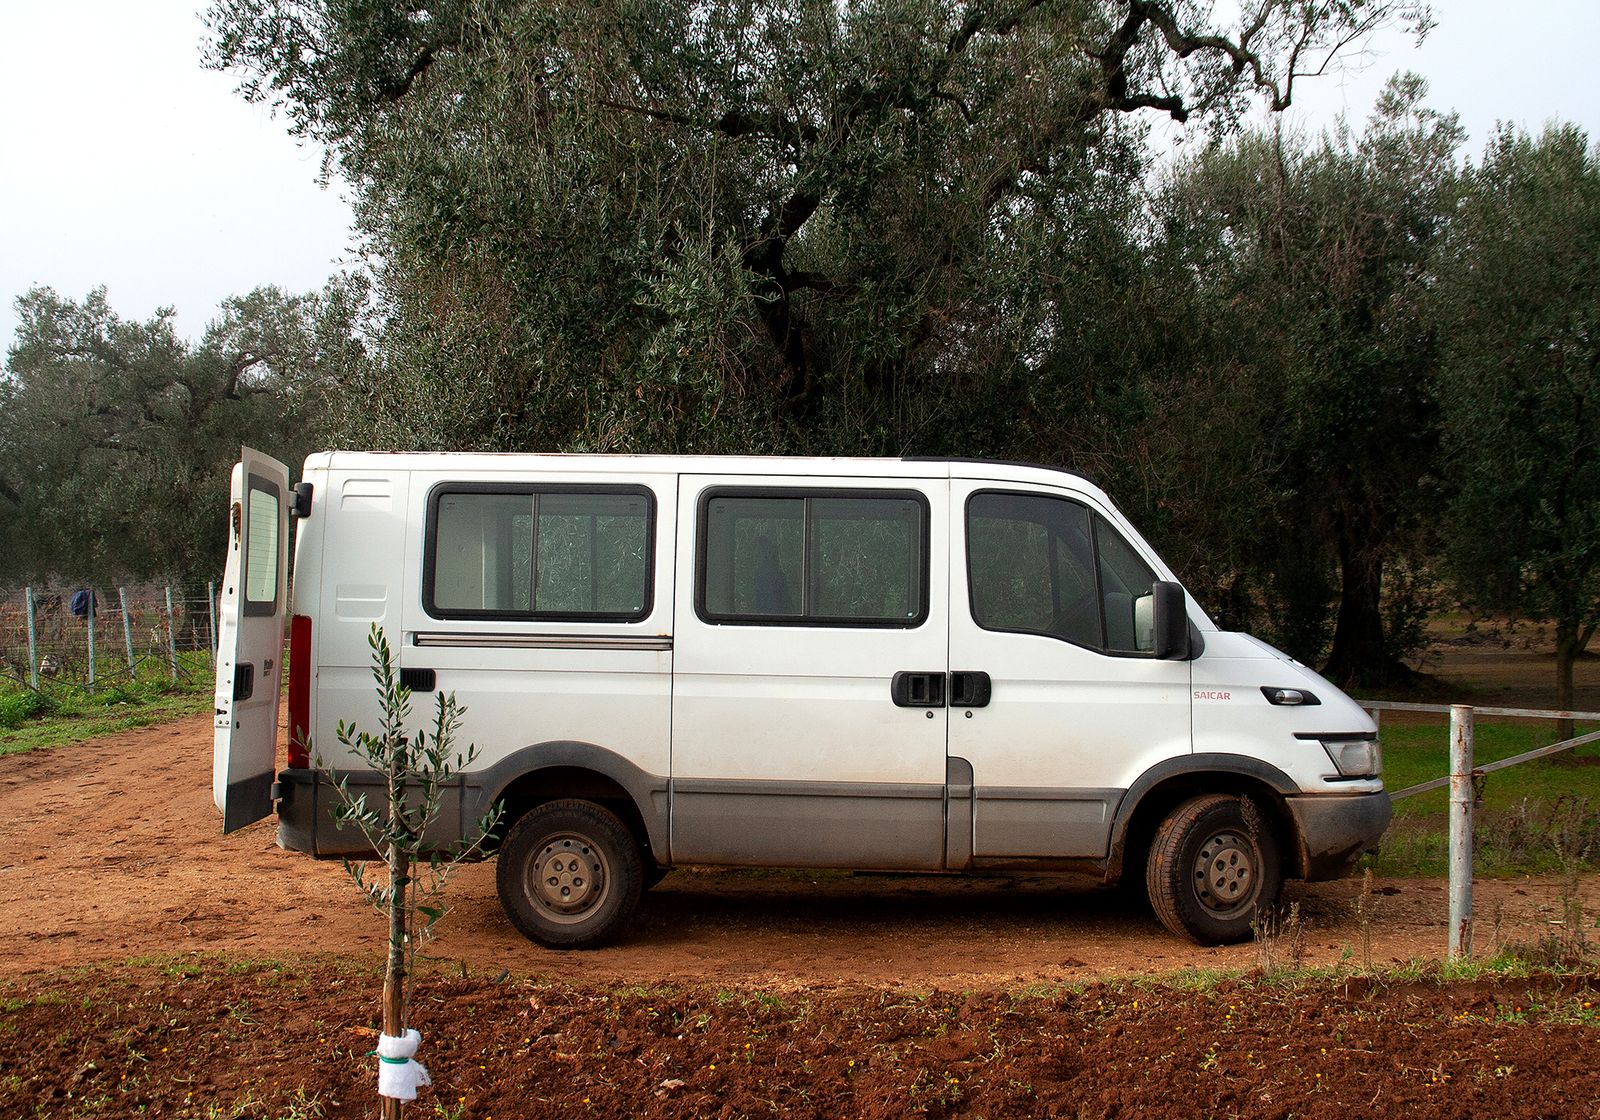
[1527,63]
[123,163]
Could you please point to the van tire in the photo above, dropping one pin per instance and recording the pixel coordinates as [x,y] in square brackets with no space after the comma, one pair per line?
[569,874]
[1213,868]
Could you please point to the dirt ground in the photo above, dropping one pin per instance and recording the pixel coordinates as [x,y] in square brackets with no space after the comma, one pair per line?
[1495,663]
[213,962]
[112,848]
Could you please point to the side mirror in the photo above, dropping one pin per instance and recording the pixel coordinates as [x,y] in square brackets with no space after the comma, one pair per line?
[1171,621]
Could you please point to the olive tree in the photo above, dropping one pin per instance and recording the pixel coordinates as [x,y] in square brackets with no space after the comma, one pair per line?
[740,223]
[416,767]
[116,435]
[1311,262]
[1518,302]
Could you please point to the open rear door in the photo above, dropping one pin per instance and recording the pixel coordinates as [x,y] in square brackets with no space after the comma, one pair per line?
[250,640]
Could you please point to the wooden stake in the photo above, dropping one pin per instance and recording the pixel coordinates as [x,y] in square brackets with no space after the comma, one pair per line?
[33,641]
[394,975]
[1460,942]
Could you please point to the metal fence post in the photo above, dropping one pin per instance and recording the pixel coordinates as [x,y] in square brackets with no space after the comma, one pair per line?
[33,643]
[1460,831]
[89,619]
[127,631]
[211,635]
[172,636]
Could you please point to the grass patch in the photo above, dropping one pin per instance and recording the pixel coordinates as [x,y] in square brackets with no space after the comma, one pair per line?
[67,714]
[1541,816]
[1506,964]
[17,708]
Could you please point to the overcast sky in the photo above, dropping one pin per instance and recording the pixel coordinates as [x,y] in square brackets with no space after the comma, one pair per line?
[123,163]
[126,164]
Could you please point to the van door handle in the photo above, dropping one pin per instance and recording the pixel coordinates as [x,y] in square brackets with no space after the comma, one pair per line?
[970,689]
[917,690]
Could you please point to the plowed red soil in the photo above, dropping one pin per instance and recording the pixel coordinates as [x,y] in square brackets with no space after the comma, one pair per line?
[232,974]
[293,1042]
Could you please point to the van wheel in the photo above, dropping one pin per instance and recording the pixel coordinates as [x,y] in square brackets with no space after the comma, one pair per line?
[569,874]
[1213,868]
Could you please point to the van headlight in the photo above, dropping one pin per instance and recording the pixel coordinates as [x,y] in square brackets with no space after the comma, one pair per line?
[1354,758]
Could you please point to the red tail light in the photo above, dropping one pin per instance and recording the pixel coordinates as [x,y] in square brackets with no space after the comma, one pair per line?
[300,691]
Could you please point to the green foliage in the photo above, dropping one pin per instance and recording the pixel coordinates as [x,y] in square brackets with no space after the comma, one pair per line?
[18,707]
[115,436]
[67,715]
[756,226]
[905,227]
[1535,817]
[915,227]
[417,768]
[1309,264]
[1518,305]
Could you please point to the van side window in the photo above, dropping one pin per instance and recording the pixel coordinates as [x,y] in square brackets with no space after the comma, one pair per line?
[1125,589]
[519,552]
[1043,565]
[813,558]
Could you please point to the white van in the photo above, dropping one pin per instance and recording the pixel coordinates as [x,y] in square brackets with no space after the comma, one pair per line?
[879,664]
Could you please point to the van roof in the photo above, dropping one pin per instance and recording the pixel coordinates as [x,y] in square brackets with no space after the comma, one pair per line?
[524,462]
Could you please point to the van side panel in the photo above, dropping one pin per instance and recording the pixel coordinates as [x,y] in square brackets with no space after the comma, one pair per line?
[1066,728]
[357,531]
[1231,713]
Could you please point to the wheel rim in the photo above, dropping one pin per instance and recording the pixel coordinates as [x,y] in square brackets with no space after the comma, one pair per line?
[1227,873]
[568,877]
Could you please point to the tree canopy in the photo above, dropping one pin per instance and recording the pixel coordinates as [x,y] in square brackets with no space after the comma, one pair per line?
[1309,263]
[116,435]
[1518,308]
[906,226]
[810,226]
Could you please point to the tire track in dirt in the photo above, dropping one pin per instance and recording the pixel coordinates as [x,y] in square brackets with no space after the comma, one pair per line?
[111,849]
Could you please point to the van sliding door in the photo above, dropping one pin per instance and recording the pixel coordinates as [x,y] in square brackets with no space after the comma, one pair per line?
[808,717]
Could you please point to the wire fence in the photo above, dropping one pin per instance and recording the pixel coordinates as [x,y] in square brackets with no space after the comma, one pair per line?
[100,637]
[1465,794]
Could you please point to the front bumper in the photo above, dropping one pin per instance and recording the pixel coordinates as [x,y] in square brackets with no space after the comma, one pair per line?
[1334,829]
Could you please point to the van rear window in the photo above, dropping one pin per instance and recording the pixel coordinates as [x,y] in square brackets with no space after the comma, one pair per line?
[539,553]
[261,558]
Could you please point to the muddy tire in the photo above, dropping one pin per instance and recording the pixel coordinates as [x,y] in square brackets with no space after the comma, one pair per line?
[1213,867]
[569,875]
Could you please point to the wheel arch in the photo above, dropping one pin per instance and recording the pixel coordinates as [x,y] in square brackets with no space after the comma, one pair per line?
[1164,787]
[566,769]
